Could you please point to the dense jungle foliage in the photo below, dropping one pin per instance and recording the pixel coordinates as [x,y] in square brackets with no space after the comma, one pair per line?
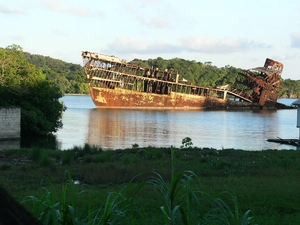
[71,79]
[68,77]
[23,85]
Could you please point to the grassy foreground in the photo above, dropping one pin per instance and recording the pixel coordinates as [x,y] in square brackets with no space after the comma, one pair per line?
[86,185]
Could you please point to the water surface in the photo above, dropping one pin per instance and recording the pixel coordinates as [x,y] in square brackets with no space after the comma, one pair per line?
[121,128]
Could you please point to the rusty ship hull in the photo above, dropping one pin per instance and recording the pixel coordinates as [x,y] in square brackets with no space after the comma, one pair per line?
[114,83]
[122,98]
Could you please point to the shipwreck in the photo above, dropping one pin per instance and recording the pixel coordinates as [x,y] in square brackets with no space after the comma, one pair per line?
[114,83]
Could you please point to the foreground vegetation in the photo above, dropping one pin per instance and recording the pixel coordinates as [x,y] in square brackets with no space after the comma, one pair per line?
[86,185]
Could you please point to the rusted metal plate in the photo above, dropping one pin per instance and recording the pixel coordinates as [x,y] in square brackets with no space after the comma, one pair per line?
[120,98]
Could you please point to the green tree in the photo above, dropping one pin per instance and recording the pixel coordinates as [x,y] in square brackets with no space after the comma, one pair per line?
[16,73]
[23,85]
[68,76]
[290,88]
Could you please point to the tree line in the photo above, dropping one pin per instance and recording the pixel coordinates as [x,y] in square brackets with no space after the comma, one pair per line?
[70,77]
[207,75]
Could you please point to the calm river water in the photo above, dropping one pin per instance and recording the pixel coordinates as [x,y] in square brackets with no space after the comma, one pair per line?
[119,128]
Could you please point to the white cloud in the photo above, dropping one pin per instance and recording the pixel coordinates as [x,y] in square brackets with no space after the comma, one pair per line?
[57,6]
[292,56]
[206,44]
[154,22]
[6,10]
[295,40]
[152,13]
[59,32]
[18,38]
[129,45]
[200,44]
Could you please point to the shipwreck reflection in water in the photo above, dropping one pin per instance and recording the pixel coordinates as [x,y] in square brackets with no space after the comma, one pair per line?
[116,128]
[113,128]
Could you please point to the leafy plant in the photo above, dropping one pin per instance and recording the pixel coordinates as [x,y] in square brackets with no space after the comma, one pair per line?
[118,207]
[49,210]
[5,166]
[185,203]
[135,145]
[186,142]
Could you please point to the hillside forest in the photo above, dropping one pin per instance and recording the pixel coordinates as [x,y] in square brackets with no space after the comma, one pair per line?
[70,77]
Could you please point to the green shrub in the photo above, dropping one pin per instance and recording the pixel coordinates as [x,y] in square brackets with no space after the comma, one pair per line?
[67,157]
[46,161]
[186,142]
[87,149]
[35,154]
[126,159]
[5,166]
[88,159]
[105,156]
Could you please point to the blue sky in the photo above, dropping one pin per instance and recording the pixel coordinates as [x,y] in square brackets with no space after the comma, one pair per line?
[239,33]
